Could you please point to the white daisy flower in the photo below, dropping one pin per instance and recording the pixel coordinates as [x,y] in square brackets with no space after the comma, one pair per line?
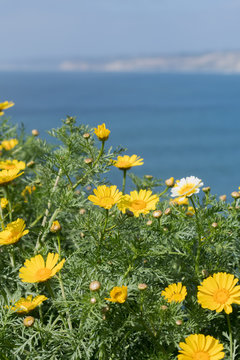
[186,187]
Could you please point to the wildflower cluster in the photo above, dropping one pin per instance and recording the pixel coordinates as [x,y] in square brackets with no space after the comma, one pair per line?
[104,274]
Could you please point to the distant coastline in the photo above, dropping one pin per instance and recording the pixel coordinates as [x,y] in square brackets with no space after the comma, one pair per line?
[226,62]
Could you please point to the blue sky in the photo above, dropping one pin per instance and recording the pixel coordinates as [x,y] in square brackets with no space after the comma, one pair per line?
[67,28]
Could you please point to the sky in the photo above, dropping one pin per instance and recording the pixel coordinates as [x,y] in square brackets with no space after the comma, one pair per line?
[98,28]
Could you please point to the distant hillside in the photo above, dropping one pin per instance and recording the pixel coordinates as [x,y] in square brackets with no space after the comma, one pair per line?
[211,62]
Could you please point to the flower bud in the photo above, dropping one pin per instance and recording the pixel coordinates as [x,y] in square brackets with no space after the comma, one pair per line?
[164,307]
[28,321]
[94,285]
[77,192]
[178,322]
[129,213]
[93,300]
[35,132]
[86,136]
[30,163]
[105,309]
[88,188]
[55,226]
[157,214]
[104,317]
[149,223]
[88,161]
[206,189]
[82,211]
[167,211]
[82,235]
[165,229]
[142,286]
[223,197]
[235,195]
[170,182]
[205,273]
[149,177]
[214,225]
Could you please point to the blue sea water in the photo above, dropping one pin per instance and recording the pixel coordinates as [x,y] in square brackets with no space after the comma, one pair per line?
[181,124]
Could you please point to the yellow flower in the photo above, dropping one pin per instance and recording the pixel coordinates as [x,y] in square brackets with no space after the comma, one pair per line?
[106,196]
[55,227]
[138,202]
[190,211]
[35,270]
[101,132]
[5,105]
[186,187]
[126,162]
[218,292]
[13,232]
[175,292]
[12,164]
[179,201]
[28,189]
[7,176]
[4,202]
[201,347]
[9,144]
[118,294]
[25,305]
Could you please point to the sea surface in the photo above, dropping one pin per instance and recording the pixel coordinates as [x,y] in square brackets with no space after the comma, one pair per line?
[181,125]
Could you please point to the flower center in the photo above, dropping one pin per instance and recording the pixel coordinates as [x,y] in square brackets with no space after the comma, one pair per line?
[201,355]
[43,274]
[187,189]
[221,296]
[107,201]
[138,204]
[118,295]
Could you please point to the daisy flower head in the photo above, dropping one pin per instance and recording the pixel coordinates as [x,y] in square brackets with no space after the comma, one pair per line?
[218,292]
[13,232]
[36,270]
[201,347]
[12,164]
[175,293]
[126,162]
[25,305]
[118,294]
[6,176]
[179,201]
[105,196]
[138,202]
[9,144]
[101,132]
[5,105]
[186,187]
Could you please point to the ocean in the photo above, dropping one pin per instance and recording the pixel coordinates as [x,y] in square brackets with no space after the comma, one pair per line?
[180,124]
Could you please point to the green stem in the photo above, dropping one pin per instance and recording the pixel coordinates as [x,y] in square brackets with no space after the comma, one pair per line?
[93,165]
[45,232]
[1,218]
[36,220]
[65,301]
[105,224]
[6,194]
[230,336]
[124,181]
[163,192]
[59,244]
[50,290]
[12,258]
[198,245]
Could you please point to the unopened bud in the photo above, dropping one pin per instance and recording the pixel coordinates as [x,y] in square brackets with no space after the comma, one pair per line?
[93,300]
[86,136]
[214,225]
[30,163]
[149,177]
[77,192]
[88,161]
[235,195]
[94,285]
[167,211]
[205,273]
[129,213]
[170,182]
[206,189]
[104,317]
[164,307]
[178,322]
[35,132]
[55,226]
[82,235]
[88,188]
[28,321]
[157,214]
[223,197]
[149,223]
[142,286]
[82,211]
[105,309]
[145,261]
[165,229]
